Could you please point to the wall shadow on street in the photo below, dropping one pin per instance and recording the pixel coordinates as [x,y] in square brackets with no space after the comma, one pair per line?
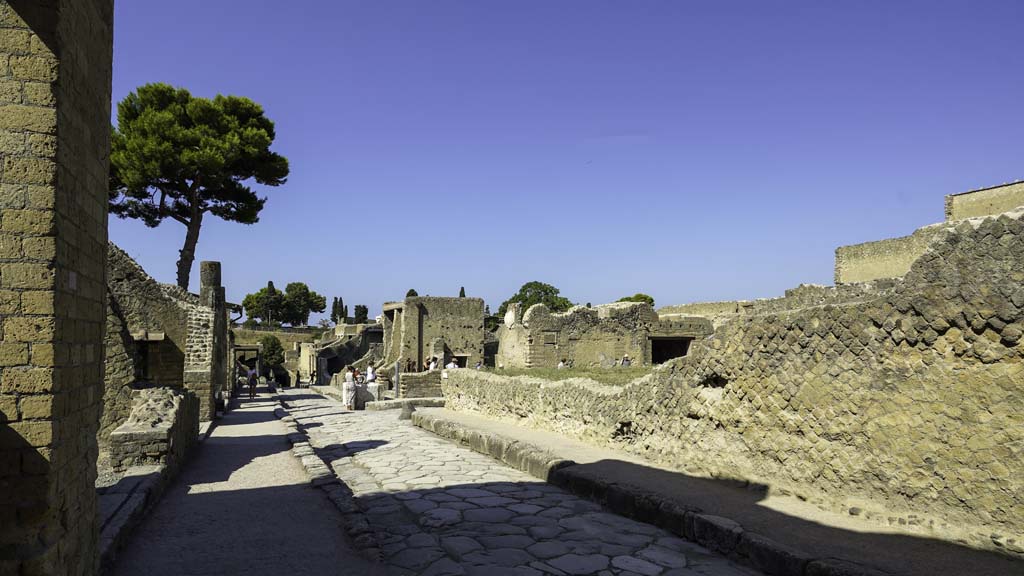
[662,497]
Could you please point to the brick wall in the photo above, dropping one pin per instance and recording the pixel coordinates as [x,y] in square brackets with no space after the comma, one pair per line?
[55,71]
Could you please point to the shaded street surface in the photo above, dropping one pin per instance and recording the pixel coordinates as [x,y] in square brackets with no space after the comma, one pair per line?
[242,505]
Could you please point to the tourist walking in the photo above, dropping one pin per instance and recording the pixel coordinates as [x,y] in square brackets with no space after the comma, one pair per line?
[253,380]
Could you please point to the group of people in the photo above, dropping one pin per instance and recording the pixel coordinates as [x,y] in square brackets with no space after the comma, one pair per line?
[354,378]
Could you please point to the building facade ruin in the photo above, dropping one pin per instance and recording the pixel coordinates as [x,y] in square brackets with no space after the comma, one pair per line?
[423,327]
[594,337]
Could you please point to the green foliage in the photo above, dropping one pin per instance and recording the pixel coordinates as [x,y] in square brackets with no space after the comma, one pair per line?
[272,354]
[362,314]
[264,305]
[537,293]
[177,156]
[411,293]
[638,297]
[293,306]
[462,292]
[299,302]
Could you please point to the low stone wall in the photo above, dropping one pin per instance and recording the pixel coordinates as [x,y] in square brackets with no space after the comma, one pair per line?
[162,428]
[908,406]
[422,384]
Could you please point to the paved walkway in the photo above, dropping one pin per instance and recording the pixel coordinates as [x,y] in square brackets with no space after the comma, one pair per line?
[437,508]
[242,505]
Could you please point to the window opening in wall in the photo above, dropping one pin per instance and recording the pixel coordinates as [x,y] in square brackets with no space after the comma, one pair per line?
[142,354]
[462,361]
[665,349]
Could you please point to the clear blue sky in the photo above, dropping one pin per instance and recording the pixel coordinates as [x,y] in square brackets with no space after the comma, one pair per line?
[690,150]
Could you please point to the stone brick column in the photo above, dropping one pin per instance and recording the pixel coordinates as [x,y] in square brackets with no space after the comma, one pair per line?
[211,293]
[55,73]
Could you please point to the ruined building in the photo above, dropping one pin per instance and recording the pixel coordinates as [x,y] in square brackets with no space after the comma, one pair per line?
[902,399]
[421,327]
[160,335]
[597,336]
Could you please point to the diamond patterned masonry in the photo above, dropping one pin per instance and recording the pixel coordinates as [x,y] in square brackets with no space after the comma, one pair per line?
[434,508]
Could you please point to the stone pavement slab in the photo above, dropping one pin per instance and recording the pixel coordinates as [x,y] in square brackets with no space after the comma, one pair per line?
[780,535]
[435,507]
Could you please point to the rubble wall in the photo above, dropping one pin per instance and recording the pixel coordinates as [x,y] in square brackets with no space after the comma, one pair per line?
[586,336]
[138,303]
[909,405]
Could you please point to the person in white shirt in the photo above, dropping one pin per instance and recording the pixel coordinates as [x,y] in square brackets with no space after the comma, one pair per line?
[561,363]
[451,364]
[371,374]
[433,365]
[349,389]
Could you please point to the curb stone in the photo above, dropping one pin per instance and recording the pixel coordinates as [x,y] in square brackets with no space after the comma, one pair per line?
[323,477]
[722,535]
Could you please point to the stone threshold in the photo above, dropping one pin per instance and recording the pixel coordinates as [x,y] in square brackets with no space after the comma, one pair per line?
[642,503]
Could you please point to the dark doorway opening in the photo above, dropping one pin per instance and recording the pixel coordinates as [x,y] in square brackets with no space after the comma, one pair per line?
[665,349]
[462,361]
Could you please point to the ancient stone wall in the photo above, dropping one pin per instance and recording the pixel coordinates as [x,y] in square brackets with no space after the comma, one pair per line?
[162,428]
[421,384]
[889,258]
[909,406]
[803,296]
[139,310]
[984,202]
[413,328]
[55,74]
[587,337]
[892,257]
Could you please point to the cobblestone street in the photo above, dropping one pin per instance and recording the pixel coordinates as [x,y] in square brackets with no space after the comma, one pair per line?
[437,508]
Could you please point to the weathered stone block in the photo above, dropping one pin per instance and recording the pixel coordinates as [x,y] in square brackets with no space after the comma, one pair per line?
[36,407]
[26,380]
[33,433]
[26,275]
[36,67]
[20,170]
[29,222]
[29,329]
[13,353]
[29,118]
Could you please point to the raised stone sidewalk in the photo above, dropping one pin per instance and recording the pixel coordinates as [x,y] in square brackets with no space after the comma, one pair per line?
[424,505]
[732,518]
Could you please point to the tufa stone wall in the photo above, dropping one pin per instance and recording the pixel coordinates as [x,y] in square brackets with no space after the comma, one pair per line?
[55,71]
[803,296]
[595,336]
[891,258]
[162,428]
[423,326]
[421,384]
[984,202]
[138,309]
[909,405]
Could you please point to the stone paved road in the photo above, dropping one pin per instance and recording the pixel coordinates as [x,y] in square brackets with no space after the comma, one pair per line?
[438,508]
[243,505]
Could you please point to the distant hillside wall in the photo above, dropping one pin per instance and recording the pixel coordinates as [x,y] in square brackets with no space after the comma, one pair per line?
[891,258]
[909,404]
[249,337]
[985,202]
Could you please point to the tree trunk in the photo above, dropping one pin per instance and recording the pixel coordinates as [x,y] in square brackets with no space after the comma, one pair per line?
[188,251]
